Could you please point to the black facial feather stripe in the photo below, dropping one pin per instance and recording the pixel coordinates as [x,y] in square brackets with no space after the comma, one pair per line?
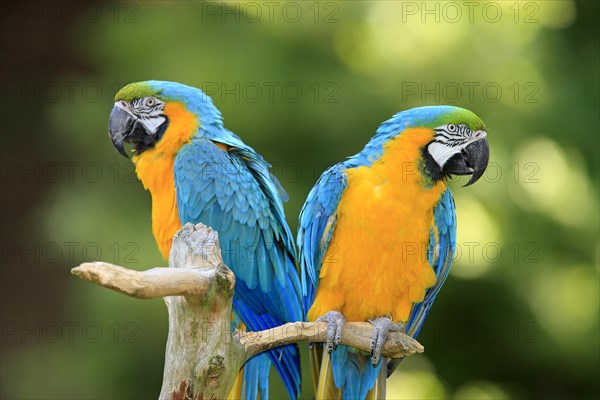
[145,112]
[453,135]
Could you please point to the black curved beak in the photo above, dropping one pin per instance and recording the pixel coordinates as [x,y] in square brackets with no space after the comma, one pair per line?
[123,127]
[120,127]
[473,160]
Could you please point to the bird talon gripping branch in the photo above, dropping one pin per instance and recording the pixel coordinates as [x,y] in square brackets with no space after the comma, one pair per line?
[335,324]
[381,327]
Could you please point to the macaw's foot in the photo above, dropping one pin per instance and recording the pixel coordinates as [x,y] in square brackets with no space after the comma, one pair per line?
[381,327]
[335,321]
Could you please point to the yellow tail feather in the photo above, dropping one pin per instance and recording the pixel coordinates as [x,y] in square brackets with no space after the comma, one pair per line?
[236,390]
[326,389]
[316,354]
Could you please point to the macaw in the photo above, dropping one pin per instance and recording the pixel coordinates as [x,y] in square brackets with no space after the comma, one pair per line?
[198,171]
[377,234]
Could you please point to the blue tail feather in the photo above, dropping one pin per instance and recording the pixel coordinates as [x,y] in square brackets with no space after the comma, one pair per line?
[250,384]
[353,372]
[256,377]
[263,377]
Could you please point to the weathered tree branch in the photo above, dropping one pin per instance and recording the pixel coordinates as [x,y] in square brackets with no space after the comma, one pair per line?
[203,356]
[149,284]
[354,334]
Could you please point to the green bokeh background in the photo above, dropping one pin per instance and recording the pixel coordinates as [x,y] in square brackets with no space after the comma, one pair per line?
[306,84]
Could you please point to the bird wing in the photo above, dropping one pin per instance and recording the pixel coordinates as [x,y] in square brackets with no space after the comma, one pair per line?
[231,190]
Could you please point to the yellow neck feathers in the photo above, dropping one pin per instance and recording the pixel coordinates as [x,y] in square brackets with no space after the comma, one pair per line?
[154,167]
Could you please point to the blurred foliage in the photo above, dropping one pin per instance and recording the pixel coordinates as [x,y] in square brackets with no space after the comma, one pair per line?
[306,84]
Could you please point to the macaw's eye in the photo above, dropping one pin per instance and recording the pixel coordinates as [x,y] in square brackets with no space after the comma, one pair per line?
[451,128]
[150,102]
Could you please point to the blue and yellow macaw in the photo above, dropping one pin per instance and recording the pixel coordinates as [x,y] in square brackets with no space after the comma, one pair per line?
[377,235]
[198,171]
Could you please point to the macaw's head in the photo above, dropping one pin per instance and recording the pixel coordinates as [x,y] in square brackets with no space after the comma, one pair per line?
[459,145]
[144,111]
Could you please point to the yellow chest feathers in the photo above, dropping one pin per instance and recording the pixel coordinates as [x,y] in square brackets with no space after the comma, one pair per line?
[154,167]
[376,263]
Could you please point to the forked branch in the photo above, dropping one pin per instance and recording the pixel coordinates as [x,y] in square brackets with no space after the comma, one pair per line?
[203,356]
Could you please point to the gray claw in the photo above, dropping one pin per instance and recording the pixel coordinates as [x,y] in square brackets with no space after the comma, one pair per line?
[335,323]
[381,327]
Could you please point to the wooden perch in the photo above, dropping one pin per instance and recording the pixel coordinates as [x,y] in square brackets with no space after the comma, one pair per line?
[203,356]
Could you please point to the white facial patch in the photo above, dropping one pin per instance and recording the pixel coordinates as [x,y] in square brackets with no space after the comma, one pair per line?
[441,153]
[153,123]
[451,139]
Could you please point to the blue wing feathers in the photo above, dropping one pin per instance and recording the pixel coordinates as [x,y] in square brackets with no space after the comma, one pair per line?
[234,193]
[265,273]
